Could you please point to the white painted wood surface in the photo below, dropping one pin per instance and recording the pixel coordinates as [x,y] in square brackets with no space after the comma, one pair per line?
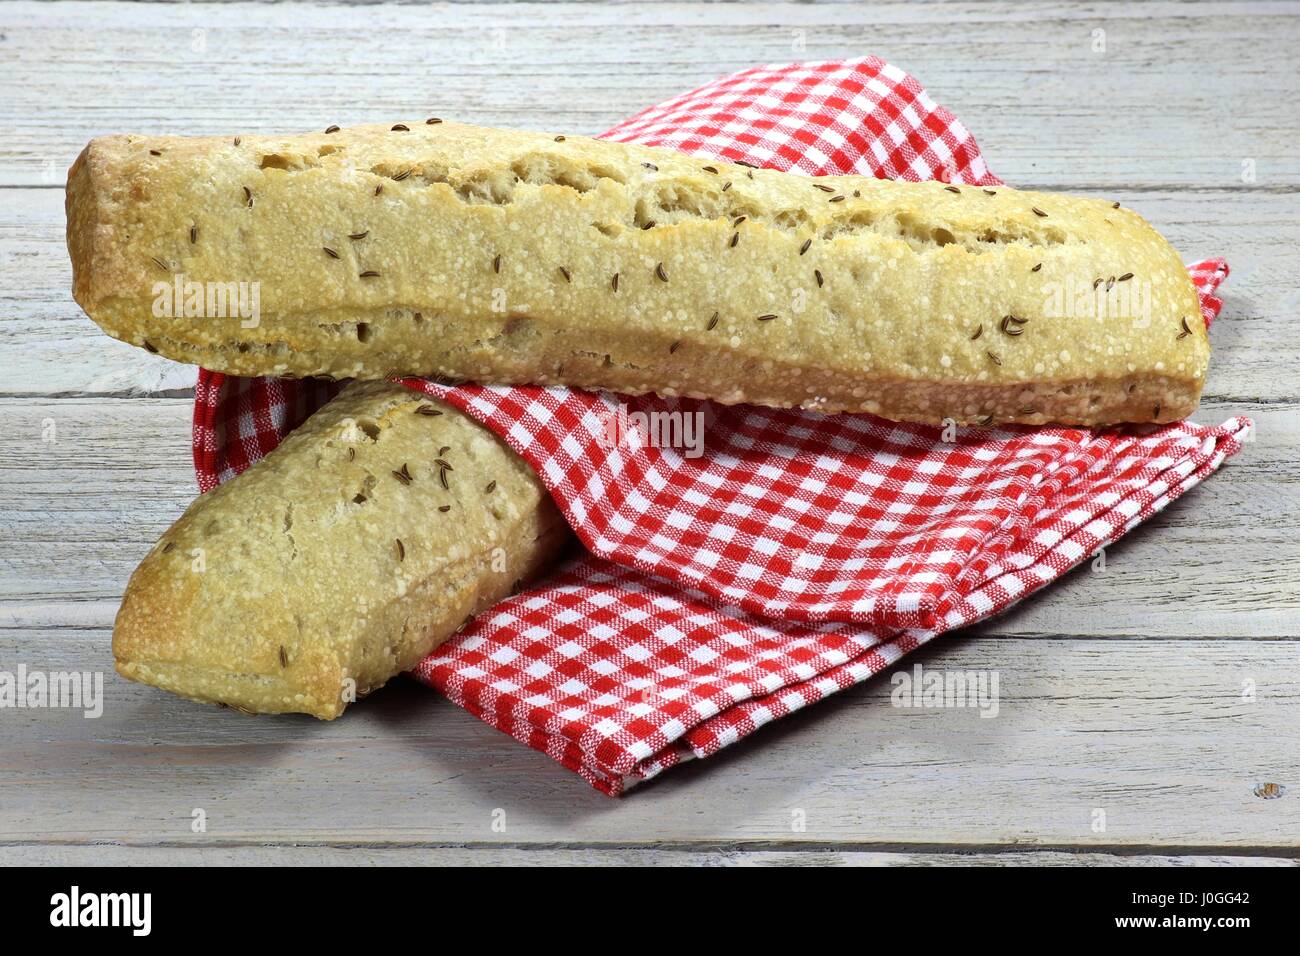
[478,855]
[1162,692]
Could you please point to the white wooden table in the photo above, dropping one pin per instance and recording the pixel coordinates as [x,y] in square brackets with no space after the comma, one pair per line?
[1126,691]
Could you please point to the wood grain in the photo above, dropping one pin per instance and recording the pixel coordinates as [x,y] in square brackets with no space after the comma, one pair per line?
[1161,691]
[1159,738]
[480,855]
[1182,93]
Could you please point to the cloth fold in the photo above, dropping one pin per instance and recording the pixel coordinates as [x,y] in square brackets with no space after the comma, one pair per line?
[799,554]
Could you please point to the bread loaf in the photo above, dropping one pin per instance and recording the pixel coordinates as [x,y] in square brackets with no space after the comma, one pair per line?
[449,250]
[369,536]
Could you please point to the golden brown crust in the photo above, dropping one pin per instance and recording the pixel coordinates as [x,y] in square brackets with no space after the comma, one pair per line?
[319,573]
[491,255]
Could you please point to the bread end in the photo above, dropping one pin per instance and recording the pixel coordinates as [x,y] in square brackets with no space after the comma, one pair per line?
[163,637]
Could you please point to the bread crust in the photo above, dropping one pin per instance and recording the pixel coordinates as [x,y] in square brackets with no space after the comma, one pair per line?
[489,255]
[322,571]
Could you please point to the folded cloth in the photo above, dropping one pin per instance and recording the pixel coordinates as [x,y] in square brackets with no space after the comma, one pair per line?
[798,554]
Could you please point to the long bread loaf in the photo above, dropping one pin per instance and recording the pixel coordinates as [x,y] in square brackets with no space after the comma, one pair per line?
[441,249]
[369,536]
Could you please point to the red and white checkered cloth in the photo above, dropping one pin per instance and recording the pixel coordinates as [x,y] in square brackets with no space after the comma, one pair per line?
[801,553]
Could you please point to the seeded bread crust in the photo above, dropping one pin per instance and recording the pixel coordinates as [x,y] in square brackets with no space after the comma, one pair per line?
[472,253]
[319,573]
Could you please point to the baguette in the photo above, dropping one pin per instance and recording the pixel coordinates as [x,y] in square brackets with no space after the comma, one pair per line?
[338,560]
[510,257]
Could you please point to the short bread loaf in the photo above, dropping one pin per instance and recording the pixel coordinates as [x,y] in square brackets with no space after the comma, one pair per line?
[368,537]
[470,253]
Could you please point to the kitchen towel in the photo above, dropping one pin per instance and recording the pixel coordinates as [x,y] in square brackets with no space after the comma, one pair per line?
[799,554]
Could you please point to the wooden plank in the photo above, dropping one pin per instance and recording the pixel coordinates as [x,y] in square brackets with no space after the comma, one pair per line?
[1157,736]
[478,855]
[55,349]
[77,515]
[1181,93]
